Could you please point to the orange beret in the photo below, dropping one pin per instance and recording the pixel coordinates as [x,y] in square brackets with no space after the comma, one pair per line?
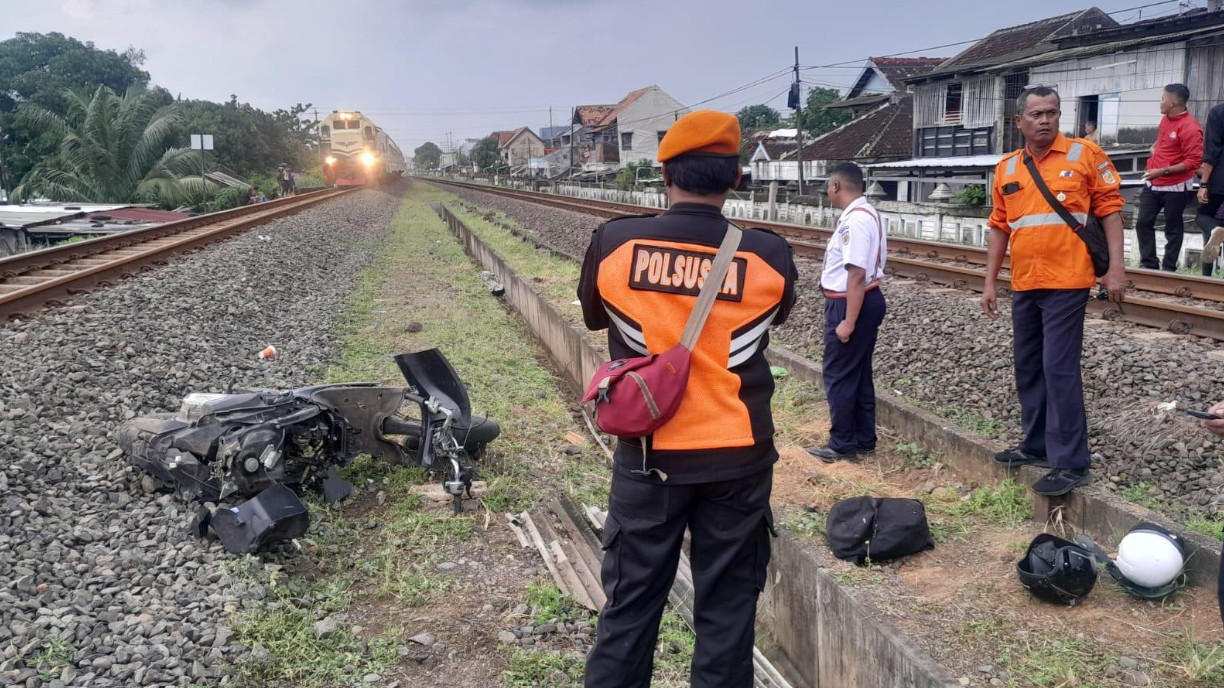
[704,132]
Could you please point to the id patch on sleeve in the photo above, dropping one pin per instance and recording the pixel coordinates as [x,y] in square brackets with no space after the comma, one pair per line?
[1108,177]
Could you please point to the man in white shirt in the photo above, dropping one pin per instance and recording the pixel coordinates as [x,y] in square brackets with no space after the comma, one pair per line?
[854,309]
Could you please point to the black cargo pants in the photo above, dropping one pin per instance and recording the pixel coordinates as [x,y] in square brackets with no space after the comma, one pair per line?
[730,524]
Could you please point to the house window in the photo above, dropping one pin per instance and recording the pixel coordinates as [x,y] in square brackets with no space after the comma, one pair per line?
[627,140]
[1089,113]
[952,103]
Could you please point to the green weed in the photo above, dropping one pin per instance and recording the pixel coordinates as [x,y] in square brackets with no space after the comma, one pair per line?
[550,605]
[1144,494]
[1201,663]
[1210,527]
[916,455]
[55,654]
[529,669]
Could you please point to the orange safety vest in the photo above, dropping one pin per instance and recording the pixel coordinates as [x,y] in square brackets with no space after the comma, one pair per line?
[1045,252]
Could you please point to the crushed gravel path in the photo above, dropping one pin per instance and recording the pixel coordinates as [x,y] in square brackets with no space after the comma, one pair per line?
[100,584]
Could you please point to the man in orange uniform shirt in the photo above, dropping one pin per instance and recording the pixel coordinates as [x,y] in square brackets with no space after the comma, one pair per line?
[1051,275]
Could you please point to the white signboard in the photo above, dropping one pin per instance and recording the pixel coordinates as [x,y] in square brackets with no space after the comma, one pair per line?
[201,142]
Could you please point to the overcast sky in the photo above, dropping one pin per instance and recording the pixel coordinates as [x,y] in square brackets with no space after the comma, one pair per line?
[421,68]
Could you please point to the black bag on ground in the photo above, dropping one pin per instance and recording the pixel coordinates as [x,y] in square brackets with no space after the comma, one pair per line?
[877,529]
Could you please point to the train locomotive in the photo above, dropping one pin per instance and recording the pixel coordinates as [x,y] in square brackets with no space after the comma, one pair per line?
[356,151]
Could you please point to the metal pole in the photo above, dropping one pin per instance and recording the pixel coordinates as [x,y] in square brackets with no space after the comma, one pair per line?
[203,184]
[318,139]
[799,123]
[3,172]
[573,114]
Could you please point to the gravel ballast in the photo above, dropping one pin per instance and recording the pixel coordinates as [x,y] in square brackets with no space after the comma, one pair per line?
[100,583]
[937,350]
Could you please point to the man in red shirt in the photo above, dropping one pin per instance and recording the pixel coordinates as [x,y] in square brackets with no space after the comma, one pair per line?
[1176,156]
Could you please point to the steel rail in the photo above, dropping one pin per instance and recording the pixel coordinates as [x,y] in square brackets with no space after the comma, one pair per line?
[960,266]
[1153,281]
[30,281]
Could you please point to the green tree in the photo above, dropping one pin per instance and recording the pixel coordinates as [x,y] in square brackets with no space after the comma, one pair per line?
[486,154]
[629,176]
[39,69]
[427,156]
[113,149]
[758,117]
[817,117]
[248,140]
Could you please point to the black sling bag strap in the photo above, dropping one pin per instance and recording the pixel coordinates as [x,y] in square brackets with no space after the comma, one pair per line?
[1089,231]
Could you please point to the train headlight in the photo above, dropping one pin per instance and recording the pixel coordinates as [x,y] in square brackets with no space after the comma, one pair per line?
[367,158]
[330,160]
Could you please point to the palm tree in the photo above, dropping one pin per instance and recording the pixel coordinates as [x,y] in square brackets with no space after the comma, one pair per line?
[113,149]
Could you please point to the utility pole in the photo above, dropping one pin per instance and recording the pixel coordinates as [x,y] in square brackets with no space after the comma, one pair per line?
[798,91]
[573,114]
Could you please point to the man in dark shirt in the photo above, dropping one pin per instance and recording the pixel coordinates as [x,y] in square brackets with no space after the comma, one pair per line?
[710,468]
[1211,192]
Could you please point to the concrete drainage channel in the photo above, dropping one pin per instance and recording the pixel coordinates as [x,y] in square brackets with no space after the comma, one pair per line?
[819,634]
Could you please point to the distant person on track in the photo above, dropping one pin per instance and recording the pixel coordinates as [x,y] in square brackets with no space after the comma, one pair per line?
[252,195]
[1051,275]
[854,309]
[1211,190]
[285,178]
[710,468]
[1176,156]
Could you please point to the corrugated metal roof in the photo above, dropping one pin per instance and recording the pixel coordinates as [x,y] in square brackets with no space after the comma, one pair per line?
[18,216]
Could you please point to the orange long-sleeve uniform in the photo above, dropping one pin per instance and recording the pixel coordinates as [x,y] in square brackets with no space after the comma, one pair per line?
[1045,252]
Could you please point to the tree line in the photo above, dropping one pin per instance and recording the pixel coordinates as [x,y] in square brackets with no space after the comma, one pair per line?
[78,123]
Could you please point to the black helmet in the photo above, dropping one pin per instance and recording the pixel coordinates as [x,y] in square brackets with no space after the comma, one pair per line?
[1057,570]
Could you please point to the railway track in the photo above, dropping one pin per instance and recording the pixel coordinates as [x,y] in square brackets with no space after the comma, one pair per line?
[1161,300]
[30,281]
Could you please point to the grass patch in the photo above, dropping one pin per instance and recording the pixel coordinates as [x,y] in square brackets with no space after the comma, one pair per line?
[1061,661]
[1007,504]
[674,653]
[1207,526]
[794,402]
[529,669]
[1144,494]
[807,524]
[293,653]
[550,605]
[1198,662]
[915,455]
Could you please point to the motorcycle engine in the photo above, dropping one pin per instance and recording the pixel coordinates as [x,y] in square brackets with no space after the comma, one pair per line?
[251,457]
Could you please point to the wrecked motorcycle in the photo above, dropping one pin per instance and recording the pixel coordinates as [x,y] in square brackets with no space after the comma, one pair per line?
[255,443]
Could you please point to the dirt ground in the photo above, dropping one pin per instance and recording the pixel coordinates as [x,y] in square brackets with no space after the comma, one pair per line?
[963,602]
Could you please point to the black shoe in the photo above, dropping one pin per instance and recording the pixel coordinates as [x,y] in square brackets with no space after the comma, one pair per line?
[829,456]
[1060,481]
[1016,457]
[865,452]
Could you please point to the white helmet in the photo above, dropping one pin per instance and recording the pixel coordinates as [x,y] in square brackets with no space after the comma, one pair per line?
[1150,561]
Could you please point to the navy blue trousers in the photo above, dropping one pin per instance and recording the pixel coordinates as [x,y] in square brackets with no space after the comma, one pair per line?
[1049,337]
[847,374]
